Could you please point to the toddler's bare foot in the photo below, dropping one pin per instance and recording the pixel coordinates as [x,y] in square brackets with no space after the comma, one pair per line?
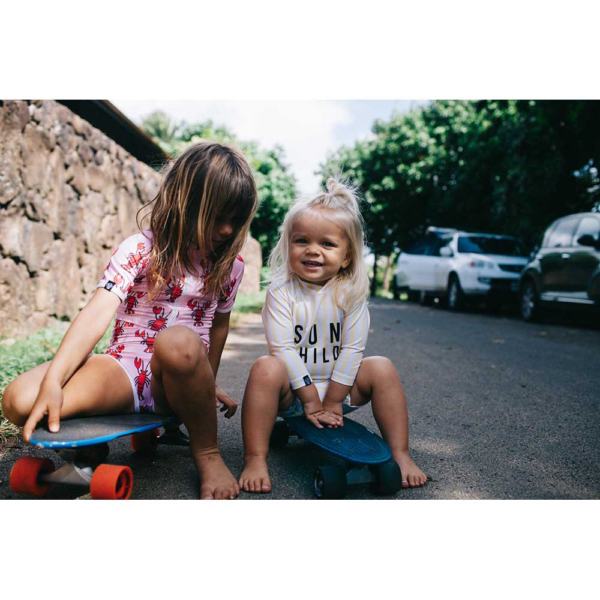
[412,476]
[255,476]
[216,480]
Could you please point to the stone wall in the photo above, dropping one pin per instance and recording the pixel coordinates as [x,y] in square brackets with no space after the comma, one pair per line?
[68,196]
[252,255]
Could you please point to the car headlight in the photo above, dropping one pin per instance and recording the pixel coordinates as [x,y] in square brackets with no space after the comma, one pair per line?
[481,264]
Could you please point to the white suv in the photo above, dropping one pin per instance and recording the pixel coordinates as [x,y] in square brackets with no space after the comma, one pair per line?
[458,266]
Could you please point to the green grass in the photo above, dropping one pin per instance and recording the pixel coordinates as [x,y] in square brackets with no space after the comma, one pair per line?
[250,303]
[247,304]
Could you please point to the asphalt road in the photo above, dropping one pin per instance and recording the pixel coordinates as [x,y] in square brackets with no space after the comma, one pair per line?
[498,409]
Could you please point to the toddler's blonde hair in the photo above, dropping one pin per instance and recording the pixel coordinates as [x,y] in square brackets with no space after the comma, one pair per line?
[339,204]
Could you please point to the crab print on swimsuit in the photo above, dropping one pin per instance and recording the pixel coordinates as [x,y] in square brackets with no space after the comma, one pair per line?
[119,330]
[141,381]
[198,311]
[160,322]
[115,351]
[135,258]
[174,289]
[146,340]
[132,301]
[229,289]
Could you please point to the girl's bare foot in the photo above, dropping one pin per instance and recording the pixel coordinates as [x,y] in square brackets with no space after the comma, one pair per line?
[255,476]
[412,476]
[216,480]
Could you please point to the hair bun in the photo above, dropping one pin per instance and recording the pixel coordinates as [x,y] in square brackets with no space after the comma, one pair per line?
[342,191]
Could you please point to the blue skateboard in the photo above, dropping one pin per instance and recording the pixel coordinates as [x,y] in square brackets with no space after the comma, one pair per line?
[367,458]
[83,444]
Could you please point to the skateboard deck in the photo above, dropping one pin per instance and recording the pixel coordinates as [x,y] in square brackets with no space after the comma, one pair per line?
[352,442]
[89,431]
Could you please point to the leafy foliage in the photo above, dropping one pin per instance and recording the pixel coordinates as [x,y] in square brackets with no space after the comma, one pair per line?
[508,167]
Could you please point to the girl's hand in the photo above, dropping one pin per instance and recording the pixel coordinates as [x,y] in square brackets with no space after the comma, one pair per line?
[49,402]
[228,405]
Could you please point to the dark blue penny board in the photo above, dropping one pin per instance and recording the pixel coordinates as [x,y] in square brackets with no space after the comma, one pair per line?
[88,431]
[353,441]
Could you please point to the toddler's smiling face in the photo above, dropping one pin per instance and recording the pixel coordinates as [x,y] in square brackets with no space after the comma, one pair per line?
[318,248]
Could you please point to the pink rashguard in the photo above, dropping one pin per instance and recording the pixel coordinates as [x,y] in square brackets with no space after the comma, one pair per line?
[139,321]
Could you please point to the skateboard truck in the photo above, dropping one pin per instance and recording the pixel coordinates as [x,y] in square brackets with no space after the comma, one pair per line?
[174,436]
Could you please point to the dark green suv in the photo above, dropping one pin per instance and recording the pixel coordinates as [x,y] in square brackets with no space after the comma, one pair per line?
[565,269]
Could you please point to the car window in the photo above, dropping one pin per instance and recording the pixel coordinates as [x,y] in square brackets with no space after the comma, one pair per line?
[562,233]
[417,247]
[435,245]
[588,226]
[479,244]
[548,235]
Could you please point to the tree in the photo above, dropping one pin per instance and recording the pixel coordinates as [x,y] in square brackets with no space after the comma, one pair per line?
[162,130]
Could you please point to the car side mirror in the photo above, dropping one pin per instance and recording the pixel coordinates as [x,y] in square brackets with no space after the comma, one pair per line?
[447,252]
[587,240]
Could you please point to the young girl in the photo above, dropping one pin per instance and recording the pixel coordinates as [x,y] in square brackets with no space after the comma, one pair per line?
[316,324]
[172,288]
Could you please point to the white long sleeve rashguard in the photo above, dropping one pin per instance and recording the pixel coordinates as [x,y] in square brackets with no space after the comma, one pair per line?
[316,339]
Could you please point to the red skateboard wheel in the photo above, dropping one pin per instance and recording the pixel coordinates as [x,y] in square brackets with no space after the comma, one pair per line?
[25,475]
[111,482]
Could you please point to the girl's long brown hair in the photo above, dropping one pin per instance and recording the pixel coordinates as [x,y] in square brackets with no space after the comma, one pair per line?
[207,180]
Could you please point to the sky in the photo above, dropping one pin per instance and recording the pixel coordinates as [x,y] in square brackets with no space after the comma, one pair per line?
[306,129]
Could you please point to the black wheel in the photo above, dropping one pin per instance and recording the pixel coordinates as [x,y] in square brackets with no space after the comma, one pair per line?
[425,299]
[395,290]
[280,435]
[529,302]
[389,478]
[413,296]
[330,482]
[456,297]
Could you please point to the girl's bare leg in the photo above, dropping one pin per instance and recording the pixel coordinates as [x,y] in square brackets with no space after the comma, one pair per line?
[99,386]
[183,381]
[377,380]
[268,390]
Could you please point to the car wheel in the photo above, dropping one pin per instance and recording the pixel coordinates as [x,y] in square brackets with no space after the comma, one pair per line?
[425,299]
[395,290]
[456,297]
[413,296]
[529,302]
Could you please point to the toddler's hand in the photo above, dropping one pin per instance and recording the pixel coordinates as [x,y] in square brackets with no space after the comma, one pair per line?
[334,408]
[330,419]
[319,417]
[311,410]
